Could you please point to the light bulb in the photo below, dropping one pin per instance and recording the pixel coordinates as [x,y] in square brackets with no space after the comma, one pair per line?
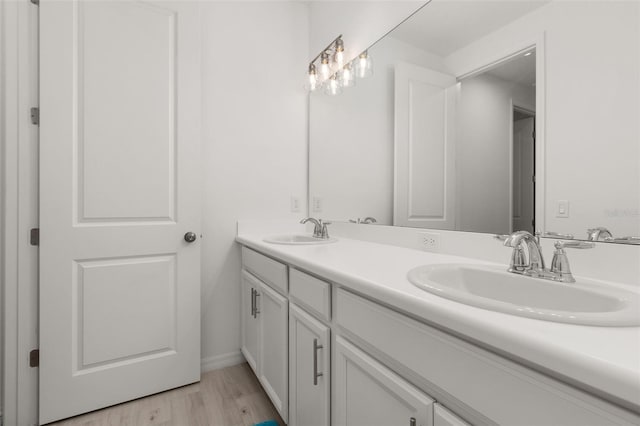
[313,78]
[347,76]
[338,57]
[325,68]
[364,66]
[333,86]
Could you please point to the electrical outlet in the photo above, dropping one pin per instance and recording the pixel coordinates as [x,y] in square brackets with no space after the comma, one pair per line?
[317,204]
[295,204]
[429,241]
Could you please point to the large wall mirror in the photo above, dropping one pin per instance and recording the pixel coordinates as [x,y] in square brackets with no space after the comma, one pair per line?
[490,116]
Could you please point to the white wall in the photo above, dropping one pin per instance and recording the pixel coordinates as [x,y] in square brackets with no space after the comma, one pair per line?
[254,144]
[351,138]
[484,151]
[592,134]
[361,23]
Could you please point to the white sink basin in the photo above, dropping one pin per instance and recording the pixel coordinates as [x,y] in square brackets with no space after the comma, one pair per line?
[298,240]
[584,302]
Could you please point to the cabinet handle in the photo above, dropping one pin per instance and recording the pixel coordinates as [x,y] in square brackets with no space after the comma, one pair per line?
[253,302]
[316,346]
[412,421]
[256,311]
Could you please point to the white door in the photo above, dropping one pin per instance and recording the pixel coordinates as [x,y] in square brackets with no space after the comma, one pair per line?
[119,188]
[272,310]
[369,394]
[309,374]
[523,175]
[424,183]
[249,320]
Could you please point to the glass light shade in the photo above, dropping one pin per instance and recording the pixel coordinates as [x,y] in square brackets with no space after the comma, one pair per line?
[347,76]
[325,67]
[364,65]
[313,78]
[332,86]
[338,57]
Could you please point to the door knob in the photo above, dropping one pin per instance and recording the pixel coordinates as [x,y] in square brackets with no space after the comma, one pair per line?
[190,237]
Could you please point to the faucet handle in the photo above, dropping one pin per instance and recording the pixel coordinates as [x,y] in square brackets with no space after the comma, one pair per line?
[324,232]
[560,263]
[559,245]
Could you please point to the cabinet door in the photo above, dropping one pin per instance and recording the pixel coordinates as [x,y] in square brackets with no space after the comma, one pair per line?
[249,321]
[368,393]
[272,349]
[309,374]
[444,417]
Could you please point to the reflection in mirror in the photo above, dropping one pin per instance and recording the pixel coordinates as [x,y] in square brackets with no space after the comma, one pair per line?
[469,101]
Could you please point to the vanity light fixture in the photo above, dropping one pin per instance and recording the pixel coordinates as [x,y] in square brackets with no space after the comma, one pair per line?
[333,73]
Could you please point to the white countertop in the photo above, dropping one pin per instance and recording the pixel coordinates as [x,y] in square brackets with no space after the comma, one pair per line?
[602,360]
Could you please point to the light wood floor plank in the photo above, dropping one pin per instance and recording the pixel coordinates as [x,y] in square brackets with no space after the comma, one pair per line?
[228,397]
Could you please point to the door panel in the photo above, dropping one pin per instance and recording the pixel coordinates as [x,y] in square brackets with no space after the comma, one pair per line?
[119,187]
[424,186]
[144,324]
[126,87]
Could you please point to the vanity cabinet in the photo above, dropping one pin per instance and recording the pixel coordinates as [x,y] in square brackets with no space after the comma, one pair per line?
[368,393]
[265,325]
[309,374]
[328,356]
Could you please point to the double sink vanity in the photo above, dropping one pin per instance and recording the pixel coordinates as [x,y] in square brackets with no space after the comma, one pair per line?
[514,116]
[348,332]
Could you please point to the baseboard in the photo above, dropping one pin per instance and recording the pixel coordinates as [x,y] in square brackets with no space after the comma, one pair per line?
[221,361]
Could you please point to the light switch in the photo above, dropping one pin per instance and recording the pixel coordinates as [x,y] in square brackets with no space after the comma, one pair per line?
[563,208]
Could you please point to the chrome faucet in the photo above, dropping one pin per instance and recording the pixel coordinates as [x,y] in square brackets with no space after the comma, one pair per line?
[518,263]
[598,234]
[319,227]
[560,270]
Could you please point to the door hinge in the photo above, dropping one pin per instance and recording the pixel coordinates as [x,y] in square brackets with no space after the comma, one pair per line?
[34,236]
[35,115]
[533,178]
[34,358]
[36,2]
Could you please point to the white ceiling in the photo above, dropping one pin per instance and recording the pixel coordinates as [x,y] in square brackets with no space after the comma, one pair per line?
[444,26]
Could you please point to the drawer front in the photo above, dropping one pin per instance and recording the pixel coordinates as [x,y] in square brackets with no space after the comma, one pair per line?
[311,292]
[268,270]
[501,390]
